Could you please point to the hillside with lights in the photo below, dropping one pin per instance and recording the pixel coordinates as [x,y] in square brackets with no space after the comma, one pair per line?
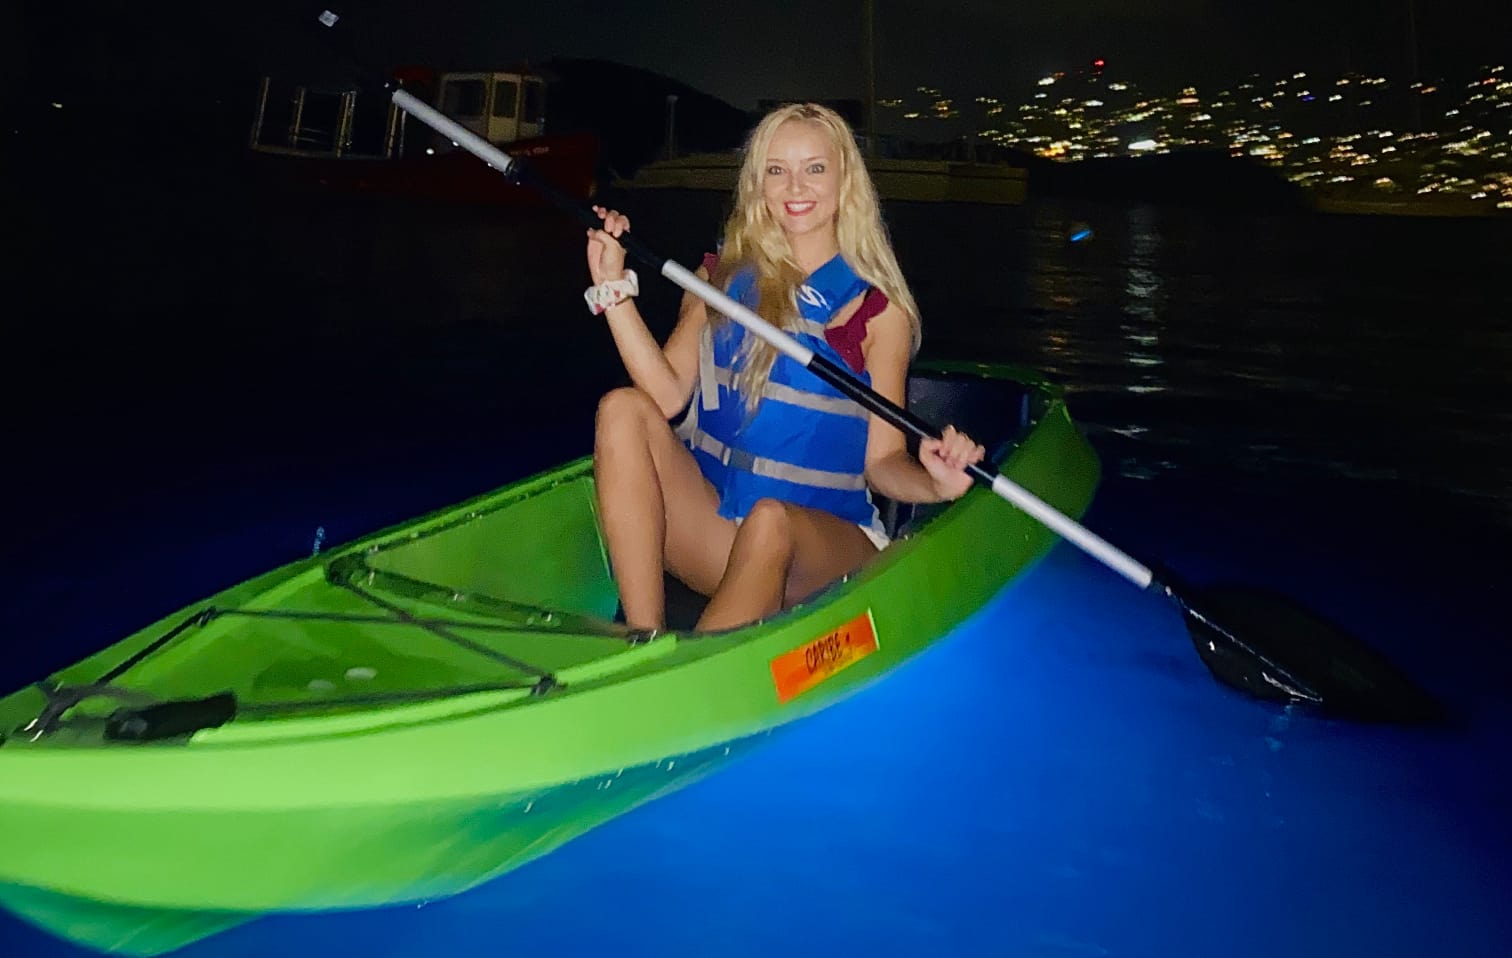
[1342,140]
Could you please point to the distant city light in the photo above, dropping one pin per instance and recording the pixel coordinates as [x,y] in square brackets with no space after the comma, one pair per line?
[1275,127]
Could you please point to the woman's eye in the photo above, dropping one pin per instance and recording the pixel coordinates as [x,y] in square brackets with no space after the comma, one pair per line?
[816,168]
[774,171]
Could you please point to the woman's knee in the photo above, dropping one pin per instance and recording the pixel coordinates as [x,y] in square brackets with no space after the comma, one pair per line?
[620,410]
[768,528]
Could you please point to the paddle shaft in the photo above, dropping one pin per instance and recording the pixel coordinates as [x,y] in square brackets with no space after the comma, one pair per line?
[984,473]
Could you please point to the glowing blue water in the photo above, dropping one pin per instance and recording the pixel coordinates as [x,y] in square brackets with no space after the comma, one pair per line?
[1060,777]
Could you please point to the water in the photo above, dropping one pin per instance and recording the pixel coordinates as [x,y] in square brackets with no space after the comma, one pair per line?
[1309,404]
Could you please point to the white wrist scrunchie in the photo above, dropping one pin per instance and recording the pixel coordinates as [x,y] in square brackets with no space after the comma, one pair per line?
[615,291]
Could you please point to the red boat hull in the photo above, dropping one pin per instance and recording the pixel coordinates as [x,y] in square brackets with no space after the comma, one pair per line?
[567,161]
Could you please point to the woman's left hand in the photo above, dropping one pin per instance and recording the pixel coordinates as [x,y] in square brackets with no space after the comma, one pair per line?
[606,257]
[946,459]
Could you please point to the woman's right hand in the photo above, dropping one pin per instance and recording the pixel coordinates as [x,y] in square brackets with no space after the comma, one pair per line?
[946,459]
[606,257]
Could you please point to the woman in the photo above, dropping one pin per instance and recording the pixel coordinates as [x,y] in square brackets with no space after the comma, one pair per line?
[760,497]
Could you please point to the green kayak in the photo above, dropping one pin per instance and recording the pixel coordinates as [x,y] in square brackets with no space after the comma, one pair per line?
[417,712]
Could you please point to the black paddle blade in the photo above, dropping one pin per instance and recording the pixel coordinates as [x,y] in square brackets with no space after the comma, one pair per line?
[1269,646]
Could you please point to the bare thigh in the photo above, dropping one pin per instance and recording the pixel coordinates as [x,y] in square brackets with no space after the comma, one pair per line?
[698,538]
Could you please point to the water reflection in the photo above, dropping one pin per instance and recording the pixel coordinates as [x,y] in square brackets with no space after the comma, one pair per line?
[1144,307]
[1260,347]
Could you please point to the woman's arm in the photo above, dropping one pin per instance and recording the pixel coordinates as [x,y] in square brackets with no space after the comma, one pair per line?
[939,472]
[665,373]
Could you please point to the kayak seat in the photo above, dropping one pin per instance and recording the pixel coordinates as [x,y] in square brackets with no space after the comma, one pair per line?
[993,412]
[684,605]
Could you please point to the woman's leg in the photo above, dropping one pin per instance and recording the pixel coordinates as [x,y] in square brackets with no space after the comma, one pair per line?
[782,553]
[656,508]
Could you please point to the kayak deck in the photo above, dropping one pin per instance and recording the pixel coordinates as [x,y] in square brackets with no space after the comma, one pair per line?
[510,595]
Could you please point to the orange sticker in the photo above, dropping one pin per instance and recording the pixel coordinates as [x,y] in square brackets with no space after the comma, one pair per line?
[798,670]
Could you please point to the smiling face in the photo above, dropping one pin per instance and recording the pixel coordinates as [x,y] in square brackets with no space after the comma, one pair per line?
[801,184]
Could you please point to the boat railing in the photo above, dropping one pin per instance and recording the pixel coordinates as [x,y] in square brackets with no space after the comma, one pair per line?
[310,122]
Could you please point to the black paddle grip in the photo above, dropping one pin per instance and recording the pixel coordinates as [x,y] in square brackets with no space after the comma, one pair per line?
[891,413]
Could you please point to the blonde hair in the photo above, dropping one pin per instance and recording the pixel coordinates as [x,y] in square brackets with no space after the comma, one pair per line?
[753,239]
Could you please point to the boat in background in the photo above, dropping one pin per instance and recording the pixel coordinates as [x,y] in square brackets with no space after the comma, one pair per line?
[916,180]
[322,138]
[903,176]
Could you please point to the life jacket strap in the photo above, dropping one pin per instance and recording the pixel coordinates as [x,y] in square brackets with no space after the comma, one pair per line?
[775,469]
[793,396]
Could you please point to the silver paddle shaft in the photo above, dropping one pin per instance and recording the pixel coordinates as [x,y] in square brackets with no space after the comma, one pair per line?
[1055,520]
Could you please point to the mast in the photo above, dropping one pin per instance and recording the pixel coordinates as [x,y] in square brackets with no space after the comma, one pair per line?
[1415,96]
[871,80]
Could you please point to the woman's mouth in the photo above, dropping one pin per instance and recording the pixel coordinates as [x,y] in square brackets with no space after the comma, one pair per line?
[799,209]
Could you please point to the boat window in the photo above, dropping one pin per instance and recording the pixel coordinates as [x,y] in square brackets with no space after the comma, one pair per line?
[535,101]
[506,92]
[463,98]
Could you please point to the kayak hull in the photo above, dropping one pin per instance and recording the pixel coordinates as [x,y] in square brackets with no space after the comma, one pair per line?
[299,806]
[351,858]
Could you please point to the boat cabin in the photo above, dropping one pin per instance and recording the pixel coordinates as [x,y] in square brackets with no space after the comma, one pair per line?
[500,107]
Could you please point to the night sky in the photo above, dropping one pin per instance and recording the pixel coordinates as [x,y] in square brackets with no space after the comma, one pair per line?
[776,49]
[783,49]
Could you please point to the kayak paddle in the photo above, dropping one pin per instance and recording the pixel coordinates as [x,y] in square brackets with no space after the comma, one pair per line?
[1282,652]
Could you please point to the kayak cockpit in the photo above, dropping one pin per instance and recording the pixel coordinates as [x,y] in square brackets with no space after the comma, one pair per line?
[509,597]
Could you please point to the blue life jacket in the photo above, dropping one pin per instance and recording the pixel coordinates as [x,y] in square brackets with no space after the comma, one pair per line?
[806,441]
